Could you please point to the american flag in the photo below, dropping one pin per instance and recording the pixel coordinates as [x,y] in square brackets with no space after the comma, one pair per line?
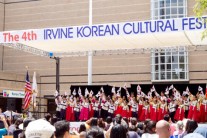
[28,93]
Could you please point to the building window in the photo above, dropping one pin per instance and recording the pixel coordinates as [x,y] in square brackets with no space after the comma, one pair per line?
[166,9]
[170,64]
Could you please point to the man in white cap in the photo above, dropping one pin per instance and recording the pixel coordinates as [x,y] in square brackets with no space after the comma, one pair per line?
[163,129]
[40,129]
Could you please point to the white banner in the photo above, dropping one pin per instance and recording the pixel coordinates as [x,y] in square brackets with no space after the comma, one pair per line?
[13,94]
[74,126]
[103,30]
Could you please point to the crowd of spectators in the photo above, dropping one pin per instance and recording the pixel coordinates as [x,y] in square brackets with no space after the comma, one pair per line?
[117,127]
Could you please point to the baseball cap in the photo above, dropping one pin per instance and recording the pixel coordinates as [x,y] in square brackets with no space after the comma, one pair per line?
[39,129]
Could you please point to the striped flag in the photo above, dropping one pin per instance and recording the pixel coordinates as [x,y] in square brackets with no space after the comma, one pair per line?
[28,93]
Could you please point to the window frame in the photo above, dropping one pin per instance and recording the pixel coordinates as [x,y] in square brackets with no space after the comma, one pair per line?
[162,72]
[156,9]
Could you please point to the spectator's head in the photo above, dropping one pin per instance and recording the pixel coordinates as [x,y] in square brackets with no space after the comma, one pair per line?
[163,129]
[48,117]
[118,119]
[191,126]
[101,123]
[18,122]
[179,125]
[0,110]
[94,122]
[134,121]
[118,131]
[150,127]
[82,128]
[40,129]
[95,132]
[167,118]
[133,128]
[62,129]
[108,120]
[140,126]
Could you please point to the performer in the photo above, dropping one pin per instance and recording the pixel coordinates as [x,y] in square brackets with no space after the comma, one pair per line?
[204,110]
[145,113]
[104,108]
[186,103]
[154,110]
[134,108]
[58,103]
[118,105]
[111,109]
[162,109]
[77,110]
[69,110]
[125,110]
[179,114]
[172,109]
[96,108]
[140,106]
[194,109]
[84,114]
[63,105]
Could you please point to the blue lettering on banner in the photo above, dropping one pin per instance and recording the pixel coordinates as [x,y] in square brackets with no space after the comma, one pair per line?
[59,33]
[128,28]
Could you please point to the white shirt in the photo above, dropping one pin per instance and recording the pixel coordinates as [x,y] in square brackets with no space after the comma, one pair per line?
[172,107]
[111,108]
[95,106]
[147,135]
[134,107]
[63,105]
[77,108]
[105,106]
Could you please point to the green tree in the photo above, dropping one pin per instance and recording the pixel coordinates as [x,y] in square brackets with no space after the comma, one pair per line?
[200,9]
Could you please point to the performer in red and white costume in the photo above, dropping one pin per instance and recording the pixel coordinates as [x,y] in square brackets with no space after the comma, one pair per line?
[203,109]
[70,116]
[162,109]
[194,110]
[154,110]
[84,114]
[180,112]
[145,113]
[125,110]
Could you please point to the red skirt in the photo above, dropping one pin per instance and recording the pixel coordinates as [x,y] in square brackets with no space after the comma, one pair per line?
[125,113]
[190,113]
[153,114]
[144,115]
[91,113]
[70,114]
[179,114]
[203,113]
[118,110]
[140,110]
[161,114]
[196,115]
[84,114]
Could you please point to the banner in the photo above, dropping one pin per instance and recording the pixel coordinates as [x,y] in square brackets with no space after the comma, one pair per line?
[104,30]
[13,94]
[74,126]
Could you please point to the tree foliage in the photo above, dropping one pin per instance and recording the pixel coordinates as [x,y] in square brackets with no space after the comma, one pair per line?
[200,9]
